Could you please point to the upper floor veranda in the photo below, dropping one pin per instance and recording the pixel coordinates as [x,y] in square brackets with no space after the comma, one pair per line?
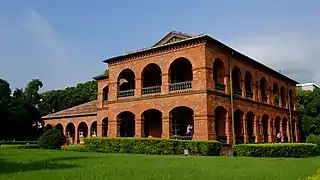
[193,64]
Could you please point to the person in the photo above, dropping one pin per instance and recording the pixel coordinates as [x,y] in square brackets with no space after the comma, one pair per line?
[189,128]
[279,137]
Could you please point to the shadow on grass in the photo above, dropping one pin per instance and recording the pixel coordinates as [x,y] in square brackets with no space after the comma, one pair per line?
[46,164]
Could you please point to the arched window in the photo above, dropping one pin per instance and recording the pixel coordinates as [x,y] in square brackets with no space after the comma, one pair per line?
[248,80]
[283,97]
[126,83]
[180,73]
[236,81]
[275,94]
[263,90]
[219,73]
[151,79]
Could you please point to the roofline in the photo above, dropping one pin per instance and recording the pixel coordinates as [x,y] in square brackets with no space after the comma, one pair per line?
[69,116]
[101,76]
[306,84]
[207,37]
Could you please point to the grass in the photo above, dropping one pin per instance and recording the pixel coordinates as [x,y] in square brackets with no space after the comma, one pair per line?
[35,164]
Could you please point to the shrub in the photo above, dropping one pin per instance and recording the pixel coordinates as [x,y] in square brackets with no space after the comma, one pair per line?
[77,148]
[51,139]
[314,140]
[314,177]
[276,150]
[17,142]
[152,146]
[19,146]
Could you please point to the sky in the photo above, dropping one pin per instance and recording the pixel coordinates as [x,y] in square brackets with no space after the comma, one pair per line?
[64,42]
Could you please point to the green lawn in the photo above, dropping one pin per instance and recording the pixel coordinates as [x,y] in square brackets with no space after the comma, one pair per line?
[25,164]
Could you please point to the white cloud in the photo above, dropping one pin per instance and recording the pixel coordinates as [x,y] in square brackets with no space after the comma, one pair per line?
[295,55]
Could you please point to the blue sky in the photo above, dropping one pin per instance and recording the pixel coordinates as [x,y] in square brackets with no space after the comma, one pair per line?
[64,42]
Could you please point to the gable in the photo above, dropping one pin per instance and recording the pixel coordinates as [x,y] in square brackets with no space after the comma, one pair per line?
[173,36]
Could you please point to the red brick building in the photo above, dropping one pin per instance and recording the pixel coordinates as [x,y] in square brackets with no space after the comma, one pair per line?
[186,80]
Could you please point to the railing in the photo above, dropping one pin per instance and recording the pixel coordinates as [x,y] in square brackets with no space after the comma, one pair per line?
[237,92]
[180,86]
[252,139]
[264,99]
[284,104]
[178,137]
[151,90]
[249,94]
[222,139]
[126,93]
[239,140]
[220,87]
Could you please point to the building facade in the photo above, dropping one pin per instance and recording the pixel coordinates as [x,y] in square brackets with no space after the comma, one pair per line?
[186,80]
[307,86]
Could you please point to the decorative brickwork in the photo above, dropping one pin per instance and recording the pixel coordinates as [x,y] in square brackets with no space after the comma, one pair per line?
[184,81]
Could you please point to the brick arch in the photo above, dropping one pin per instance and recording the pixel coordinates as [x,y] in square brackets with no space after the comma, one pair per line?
[180,70]
[238,124]
[249,81]
[151,75]
[181,117]
[220,115]
[105,92]
[126,123]
[126,80]
[71,131]
[220,70]
[152,120]
[59,126]
[237,79]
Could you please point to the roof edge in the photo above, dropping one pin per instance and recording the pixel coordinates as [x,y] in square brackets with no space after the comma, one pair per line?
[101,76]
[69,116]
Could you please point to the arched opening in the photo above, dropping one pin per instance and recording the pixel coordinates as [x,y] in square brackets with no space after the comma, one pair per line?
[180,73]
[152,123]
[285,130]
[250,120]
[82,131]
[283,96]
[48,127]
[70,131]
[275,94]
[278,120]
[105,93]
[181,118]
[105,127]
[93,129]
[151,79]
[236,81]
[238,126]
[293,125]
[263,90]
[60,127]
[291,99]
[220,114]
[248,80]
[265,121]
[126,83]
[127,124]
[219,72]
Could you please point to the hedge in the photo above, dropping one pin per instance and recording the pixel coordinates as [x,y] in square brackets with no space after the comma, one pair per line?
[276,150]
[314,140]
[17,142]
[152,146]
[314,177]
[19,146]
[77,148]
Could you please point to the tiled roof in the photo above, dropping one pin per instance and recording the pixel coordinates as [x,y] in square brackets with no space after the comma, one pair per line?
[82,109]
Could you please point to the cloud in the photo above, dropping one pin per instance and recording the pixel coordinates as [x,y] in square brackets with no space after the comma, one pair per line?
[295,55]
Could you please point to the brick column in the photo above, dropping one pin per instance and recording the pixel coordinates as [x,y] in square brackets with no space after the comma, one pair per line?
[281,130]
[256,128]
[113,128]
[200,127]
[270,129]
[138,89]
[243,88]
[274,134]
[113,91]
[139,128]
[288,130]
[261,135]
[255,91]
[297,131]
[227,83]
[228,128]
[99,129]
[245,131]
[165,84]
[269,95]
[166,127]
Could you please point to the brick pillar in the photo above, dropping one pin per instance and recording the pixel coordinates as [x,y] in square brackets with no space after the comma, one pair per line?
[261,135]
[99,128]
[243,89]
[113,128]
[227,83]
[288,130]
[228,128]
[255,128]
[165,84]
[270,129]
[113,91]
[245,131]
[139,128]
[200,128]
[211,128]
[269,95]
[297,131]
[259,98]
[138,89]
[274,134]
[166,127]
[281,130]
[255,91]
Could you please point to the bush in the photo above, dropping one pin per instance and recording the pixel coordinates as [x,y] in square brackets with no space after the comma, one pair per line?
[19,146]
[314,140]
[314,177]
[152,146]
[51,139]
[276,150]
[17,142]
[77,148]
